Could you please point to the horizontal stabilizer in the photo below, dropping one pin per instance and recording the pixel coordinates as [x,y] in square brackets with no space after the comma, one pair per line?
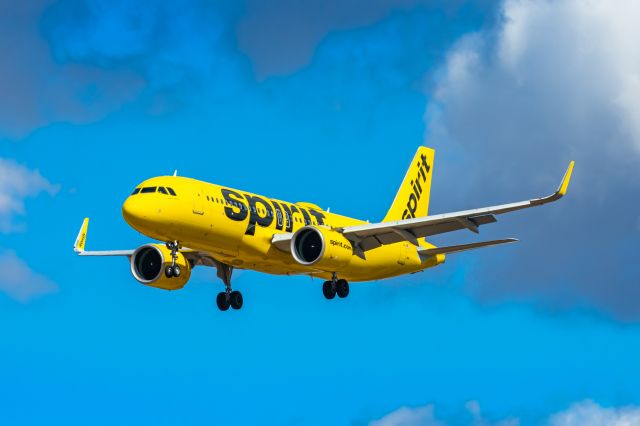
[425,252]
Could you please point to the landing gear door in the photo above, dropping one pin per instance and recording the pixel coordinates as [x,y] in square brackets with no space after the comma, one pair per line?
[198,201]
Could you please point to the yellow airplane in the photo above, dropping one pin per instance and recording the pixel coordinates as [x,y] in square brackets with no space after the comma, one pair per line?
[205,224]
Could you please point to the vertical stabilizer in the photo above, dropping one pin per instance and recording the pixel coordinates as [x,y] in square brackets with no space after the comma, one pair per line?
[412,199]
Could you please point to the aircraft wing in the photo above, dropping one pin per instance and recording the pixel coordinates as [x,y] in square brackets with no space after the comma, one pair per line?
[369,236]
[196,257]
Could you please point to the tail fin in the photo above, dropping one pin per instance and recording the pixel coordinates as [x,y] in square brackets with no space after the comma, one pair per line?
[412,199]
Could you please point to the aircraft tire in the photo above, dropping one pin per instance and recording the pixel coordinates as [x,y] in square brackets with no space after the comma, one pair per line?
[222,301]
[168,271]
[236,299]
[342,288]
[176,271]
[328,290]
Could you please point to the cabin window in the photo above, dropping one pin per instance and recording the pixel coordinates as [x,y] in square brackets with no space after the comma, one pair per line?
[148,189]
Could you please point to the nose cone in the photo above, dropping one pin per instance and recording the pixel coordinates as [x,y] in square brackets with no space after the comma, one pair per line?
[133,212]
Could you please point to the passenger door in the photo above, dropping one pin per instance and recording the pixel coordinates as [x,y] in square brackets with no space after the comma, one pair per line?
[198,201]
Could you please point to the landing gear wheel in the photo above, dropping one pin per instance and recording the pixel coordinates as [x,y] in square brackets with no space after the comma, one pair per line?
[168,271]
[222,301]
[328,289]
[235,299]
[176,271]
[342,288]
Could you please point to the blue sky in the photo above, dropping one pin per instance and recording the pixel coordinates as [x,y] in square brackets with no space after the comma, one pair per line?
[324,102]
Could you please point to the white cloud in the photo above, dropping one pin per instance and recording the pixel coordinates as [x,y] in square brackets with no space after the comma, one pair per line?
[571,63]
[17,183]
[19,282]
[406,416]
[588,413]
[553,81]
[424,416]
[583,413]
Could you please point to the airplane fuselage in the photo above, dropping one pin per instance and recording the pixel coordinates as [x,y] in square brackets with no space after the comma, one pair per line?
[237,228]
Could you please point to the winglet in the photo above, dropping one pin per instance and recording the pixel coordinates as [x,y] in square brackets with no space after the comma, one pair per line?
[562,189]
[560,192]
[81,239]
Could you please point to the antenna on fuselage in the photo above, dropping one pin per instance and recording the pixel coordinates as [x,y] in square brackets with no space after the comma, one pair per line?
[175,172]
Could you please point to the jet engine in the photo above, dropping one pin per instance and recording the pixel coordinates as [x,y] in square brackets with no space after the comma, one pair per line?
[323,248]
[148,265]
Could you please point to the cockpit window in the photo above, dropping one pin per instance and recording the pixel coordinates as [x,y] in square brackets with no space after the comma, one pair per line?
[161,189]
[171,191]
[135,191]
[148,189]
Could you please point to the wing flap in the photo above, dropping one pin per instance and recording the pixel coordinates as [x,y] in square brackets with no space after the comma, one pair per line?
[373,238]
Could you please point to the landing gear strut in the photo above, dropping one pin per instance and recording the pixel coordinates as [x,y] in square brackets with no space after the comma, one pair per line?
[228,298]
[173,270]
[335,286]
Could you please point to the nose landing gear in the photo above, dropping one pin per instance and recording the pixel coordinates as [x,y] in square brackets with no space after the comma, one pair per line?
[173,270]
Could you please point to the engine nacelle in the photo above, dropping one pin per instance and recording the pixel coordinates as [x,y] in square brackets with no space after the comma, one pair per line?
[148,263]
[323,248]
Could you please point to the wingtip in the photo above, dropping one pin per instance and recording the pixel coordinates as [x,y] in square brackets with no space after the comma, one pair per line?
[564,185]
[81,239]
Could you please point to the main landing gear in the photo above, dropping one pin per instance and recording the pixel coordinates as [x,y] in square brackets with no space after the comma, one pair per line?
[228,298]
[335,286]
[173,270]
[225,299]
